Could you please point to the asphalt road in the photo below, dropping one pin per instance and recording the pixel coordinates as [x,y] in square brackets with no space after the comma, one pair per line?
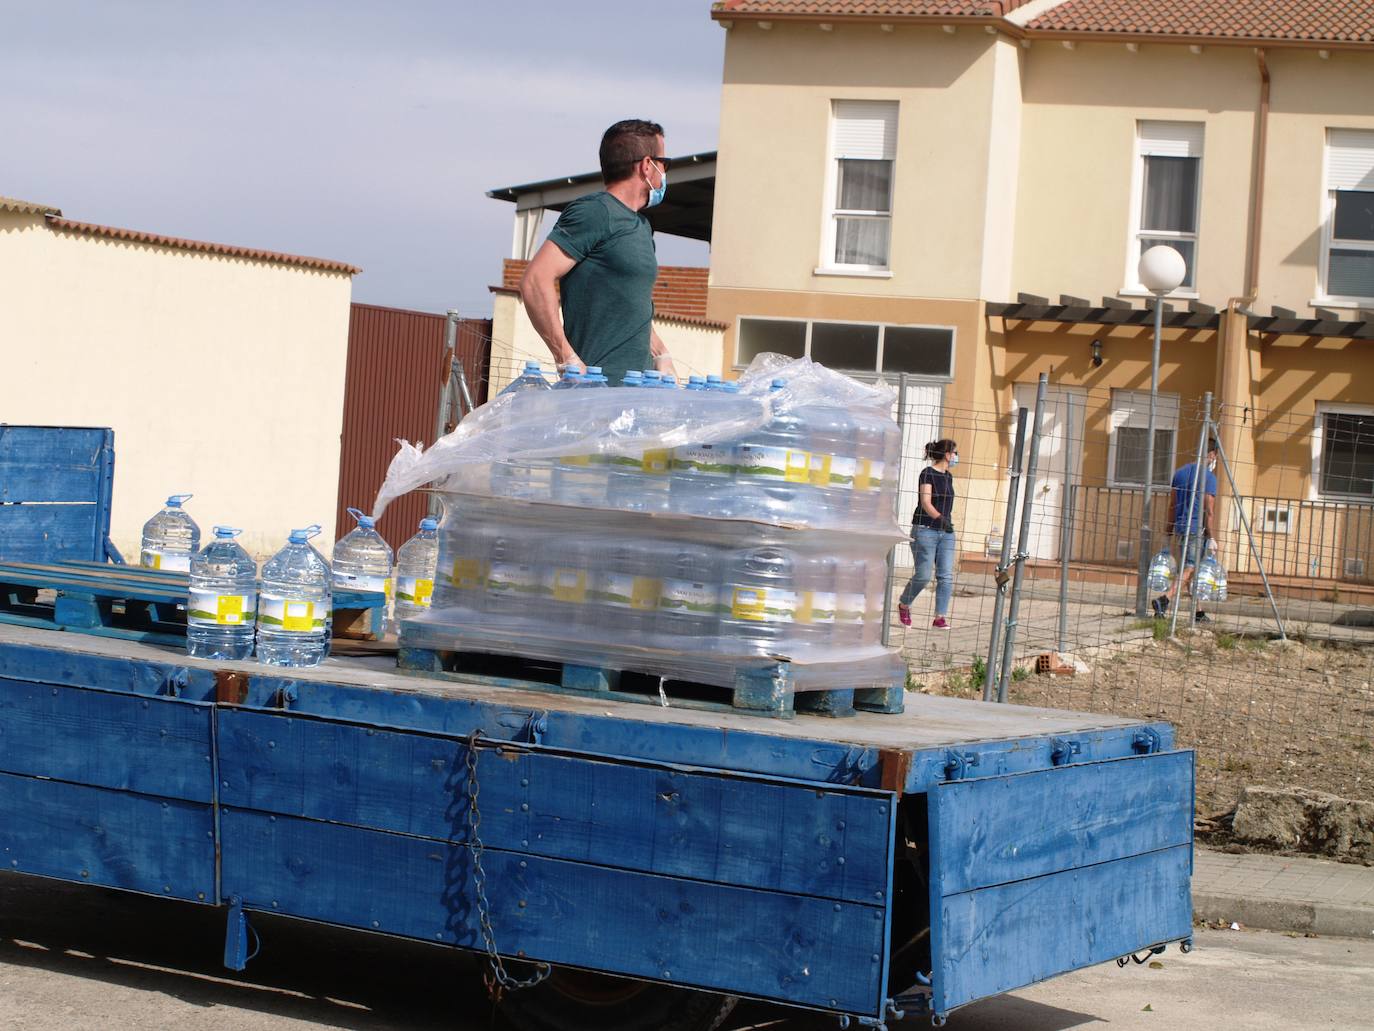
[81,959]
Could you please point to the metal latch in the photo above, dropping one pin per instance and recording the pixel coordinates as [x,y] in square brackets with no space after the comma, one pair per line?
[1063,750]
[958,764]
[1147,741]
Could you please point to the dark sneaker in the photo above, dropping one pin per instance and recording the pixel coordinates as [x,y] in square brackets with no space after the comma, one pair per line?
[1202,617]
[1160,605]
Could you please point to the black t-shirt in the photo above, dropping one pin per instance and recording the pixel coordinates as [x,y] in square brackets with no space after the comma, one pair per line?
[941,496]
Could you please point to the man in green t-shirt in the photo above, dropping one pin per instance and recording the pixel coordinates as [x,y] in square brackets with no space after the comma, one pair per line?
[598,264]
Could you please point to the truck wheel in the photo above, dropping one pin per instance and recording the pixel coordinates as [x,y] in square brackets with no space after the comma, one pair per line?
[571,1000]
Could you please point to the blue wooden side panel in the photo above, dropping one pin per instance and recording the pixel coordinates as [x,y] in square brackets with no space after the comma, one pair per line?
[832,842]
[71,471]
[999,939]
[1040,873]
[805,951]
[58,667]
[112,838]
[999,829]
[155,746]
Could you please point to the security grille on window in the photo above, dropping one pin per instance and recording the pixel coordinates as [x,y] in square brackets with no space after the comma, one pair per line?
[1348,270]
[865,146]
[1347,453]
[1169,177]
[852,346]
[1131,435]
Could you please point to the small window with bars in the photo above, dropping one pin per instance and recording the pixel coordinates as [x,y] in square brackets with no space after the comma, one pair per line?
[1130,435]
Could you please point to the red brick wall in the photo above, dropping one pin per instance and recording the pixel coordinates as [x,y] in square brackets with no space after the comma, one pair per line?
[680,290]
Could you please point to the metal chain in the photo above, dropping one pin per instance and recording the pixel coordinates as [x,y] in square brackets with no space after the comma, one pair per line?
[497,979]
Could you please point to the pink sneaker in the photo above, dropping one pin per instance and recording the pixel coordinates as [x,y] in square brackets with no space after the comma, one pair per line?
[940,623]
[904,614]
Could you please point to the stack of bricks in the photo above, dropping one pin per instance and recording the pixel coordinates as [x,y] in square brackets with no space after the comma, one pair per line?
[680,290]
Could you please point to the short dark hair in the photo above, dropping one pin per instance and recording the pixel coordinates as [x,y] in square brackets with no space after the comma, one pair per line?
[624,145]
[938,449]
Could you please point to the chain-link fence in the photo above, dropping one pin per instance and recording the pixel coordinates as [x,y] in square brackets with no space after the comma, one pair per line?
[1279,698]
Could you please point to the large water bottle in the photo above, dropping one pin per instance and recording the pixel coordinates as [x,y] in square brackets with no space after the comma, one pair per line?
[639,482]
[362,559]
[1211,577]
[572,376]
[519,581]
[626,586]
[222,603]
[527,479]
[851,601]
[582,480]
[877,458]
[415,567]
[758,602]
[834,459]
[464,555]
[571,584]
[702,480]
[1163,569]
[295,604]
[689,594]
[815,578]
[773,469]
[170,538]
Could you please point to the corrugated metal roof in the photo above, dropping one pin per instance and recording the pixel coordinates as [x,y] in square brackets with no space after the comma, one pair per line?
[228,250]
[27,207]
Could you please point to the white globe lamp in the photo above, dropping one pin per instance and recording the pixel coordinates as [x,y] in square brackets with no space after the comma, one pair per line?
[1162,270]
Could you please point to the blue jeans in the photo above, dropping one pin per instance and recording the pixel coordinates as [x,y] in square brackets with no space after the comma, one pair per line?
[932,549]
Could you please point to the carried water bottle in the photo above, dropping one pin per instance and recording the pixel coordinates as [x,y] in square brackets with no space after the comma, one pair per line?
[362,559]
[415,566]
[1163,569]
[170,538]
[526,480]
[295,604]
[1211,577]
[222,602]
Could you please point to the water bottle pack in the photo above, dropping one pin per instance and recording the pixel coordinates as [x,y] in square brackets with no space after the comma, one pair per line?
[791,444]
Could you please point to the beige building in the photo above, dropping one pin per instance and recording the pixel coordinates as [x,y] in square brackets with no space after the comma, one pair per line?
[220,368]
[960,192]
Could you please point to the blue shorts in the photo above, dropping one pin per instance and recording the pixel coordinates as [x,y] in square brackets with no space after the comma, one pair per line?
[1196,542]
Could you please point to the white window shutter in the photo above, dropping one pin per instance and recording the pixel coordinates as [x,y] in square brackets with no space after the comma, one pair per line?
[1171,139]
[866,129]
[1349,159]
[1132,408]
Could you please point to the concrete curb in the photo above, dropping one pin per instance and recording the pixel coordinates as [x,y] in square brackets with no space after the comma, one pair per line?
[1285,915]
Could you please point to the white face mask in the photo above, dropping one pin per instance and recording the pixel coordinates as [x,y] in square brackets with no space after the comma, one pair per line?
[1211,464]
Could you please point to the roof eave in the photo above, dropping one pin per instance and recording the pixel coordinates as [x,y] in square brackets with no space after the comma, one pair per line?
[1177,39]
[995,20]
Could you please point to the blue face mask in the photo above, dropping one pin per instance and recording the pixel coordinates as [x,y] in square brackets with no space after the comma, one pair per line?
[656,193]
[953,459]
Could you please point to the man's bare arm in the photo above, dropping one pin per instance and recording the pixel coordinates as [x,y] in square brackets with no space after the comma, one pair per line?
[539,291]
[658,350]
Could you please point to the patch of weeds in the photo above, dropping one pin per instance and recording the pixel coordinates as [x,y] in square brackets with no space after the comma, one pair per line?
[1257,644]
[1159,628]
[978,669]
[912,684]
[1227,641]
[1143,624]
[1020,673]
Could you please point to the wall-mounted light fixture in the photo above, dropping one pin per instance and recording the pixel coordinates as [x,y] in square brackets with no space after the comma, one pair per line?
[1097,354]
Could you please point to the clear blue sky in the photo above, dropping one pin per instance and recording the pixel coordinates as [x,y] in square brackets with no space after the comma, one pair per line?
[368,132]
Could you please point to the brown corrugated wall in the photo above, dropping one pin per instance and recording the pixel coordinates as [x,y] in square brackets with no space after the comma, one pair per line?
[391,390]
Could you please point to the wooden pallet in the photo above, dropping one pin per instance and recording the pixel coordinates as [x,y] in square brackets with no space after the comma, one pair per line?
[764,690]
[138,604]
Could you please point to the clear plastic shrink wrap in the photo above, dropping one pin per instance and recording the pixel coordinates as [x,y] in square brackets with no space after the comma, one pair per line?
[690,535]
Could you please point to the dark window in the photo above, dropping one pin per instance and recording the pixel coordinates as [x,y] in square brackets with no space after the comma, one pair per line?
[1131,443]
[779,336]
[920,350]
[841,345]
[1348,454]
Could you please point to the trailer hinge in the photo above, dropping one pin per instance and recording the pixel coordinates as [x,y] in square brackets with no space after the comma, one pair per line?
[536,727]
[958,764]
[1063,750]
[174,683]
[1147,741]
[286,694]
[848,768]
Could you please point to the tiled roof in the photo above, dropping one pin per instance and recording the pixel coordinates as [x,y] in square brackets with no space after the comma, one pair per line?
[1345,21]
[863,8]
[229,250]
[27,207]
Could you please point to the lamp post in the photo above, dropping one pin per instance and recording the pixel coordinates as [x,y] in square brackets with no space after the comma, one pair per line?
[1162,270]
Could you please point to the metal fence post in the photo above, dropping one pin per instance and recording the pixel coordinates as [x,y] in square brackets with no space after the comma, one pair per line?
[1066,517]
[1193,506]
[1023,544]
[896,502]
[1013,484]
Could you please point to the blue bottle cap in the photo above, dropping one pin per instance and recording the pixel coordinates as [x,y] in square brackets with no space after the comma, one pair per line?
[365,521]
[696,379]
[777,384]
[226,533]
[593,370]
[713,378]
[177,500]
[429,524]
[533,367]
[304,534]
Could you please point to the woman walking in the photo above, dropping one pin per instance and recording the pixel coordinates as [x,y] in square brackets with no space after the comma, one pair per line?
[932,533]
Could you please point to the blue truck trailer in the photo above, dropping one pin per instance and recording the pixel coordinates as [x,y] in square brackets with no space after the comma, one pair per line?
[636,866]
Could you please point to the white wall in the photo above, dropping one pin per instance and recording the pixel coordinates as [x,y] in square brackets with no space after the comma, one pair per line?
[221,376]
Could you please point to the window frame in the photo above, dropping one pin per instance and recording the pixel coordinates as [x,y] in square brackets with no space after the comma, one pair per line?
[882,341]
[1329,241]
[1325,408]
[1168,405]
[1134,287]
[832,213]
